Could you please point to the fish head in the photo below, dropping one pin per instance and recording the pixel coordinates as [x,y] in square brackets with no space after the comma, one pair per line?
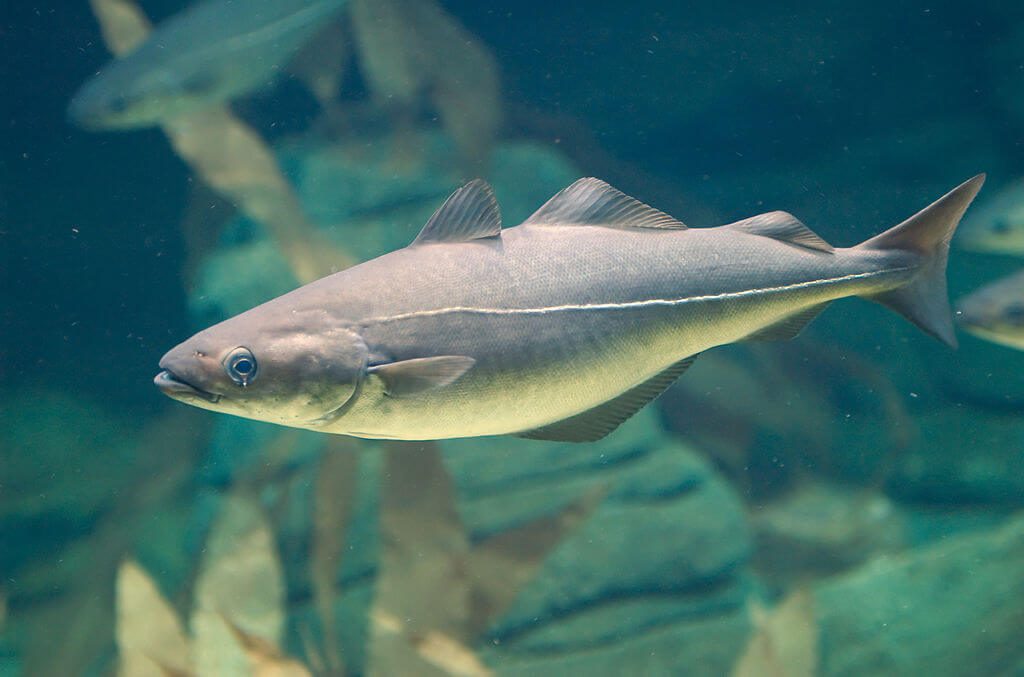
[996,312]
[260,367]
[126,95]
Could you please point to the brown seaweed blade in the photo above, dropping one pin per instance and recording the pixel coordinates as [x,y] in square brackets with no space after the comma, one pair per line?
[335,491]
[410,50]
[122,23]
[785,640]
[150,638]
[163,457]
[501,566]
[422,591]
[234,160]
[435,594]
[265,658]
[321,66]
[240,585]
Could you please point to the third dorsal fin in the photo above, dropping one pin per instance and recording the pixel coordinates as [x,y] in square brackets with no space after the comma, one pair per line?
[592,202]
[784,227]
[471,213]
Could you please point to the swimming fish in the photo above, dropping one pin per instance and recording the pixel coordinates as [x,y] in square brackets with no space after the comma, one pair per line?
[213,51]
[558,329]
[997,225]
[996,312]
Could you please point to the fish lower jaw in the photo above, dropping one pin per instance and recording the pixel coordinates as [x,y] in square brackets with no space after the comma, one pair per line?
[175,387]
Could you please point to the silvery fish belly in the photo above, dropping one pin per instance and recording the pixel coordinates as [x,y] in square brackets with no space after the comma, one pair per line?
[560,328]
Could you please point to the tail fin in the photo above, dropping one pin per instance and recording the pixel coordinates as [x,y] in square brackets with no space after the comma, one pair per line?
[923,299]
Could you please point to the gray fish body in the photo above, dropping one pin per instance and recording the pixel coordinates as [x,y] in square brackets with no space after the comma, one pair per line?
[561,319]
[210,53]
[560,328]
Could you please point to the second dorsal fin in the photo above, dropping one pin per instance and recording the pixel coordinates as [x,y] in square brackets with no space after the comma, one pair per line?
[592,202]
[471,213]
[784,227]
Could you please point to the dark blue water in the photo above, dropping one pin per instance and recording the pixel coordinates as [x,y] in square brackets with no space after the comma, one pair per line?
[864,467]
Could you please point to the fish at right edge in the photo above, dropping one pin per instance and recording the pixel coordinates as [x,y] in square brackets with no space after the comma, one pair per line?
[996,312]
[558,329]
[996,226]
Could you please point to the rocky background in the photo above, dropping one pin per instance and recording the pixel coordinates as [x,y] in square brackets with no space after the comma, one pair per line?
[847,503]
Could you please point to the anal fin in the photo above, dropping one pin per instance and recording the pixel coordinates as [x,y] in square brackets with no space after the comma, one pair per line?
[788,327]
[593,424]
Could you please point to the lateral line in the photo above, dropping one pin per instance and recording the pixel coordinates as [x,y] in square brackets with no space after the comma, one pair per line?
[628,305]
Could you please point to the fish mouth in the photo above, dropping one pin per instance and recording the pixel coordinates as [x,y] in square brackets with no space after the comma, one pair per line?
[174,386]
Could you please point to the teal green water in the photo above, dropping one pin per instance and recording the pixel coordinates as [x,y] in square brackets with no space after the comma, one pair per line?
[848,502]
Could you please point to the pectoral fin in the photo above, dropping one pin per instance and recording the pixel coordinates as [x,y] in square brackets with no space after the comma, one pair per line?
[410,377]
[593,424]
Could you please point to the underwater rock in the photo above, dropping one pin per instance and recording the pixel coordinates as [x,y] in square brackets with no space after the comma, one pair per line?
[668,542]
[668,524]
[696,647]
[40,477]
[770,414]
[966,458]
[819,530]
[51,498]
[954,608]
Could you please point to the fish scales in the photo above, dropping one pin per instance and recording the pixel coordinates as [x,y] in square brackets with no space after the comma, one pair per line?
[559,328]
[634,300]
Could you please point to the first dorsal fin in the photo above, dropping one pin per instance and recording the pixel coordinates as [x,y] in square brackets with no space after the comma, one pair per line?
[592,202]
[784,227]
[471,213]
[593,424]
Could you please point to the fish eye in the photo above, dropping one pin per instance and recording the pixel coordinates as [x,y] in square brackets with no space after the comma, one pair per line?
[118,104]
[1014,315]
[240,365]
[1000,226]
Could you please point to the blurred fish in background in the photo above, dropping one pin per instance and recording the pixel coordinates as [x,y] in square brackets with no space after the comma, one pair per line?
[210,53]
[996,312]
[997,225]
